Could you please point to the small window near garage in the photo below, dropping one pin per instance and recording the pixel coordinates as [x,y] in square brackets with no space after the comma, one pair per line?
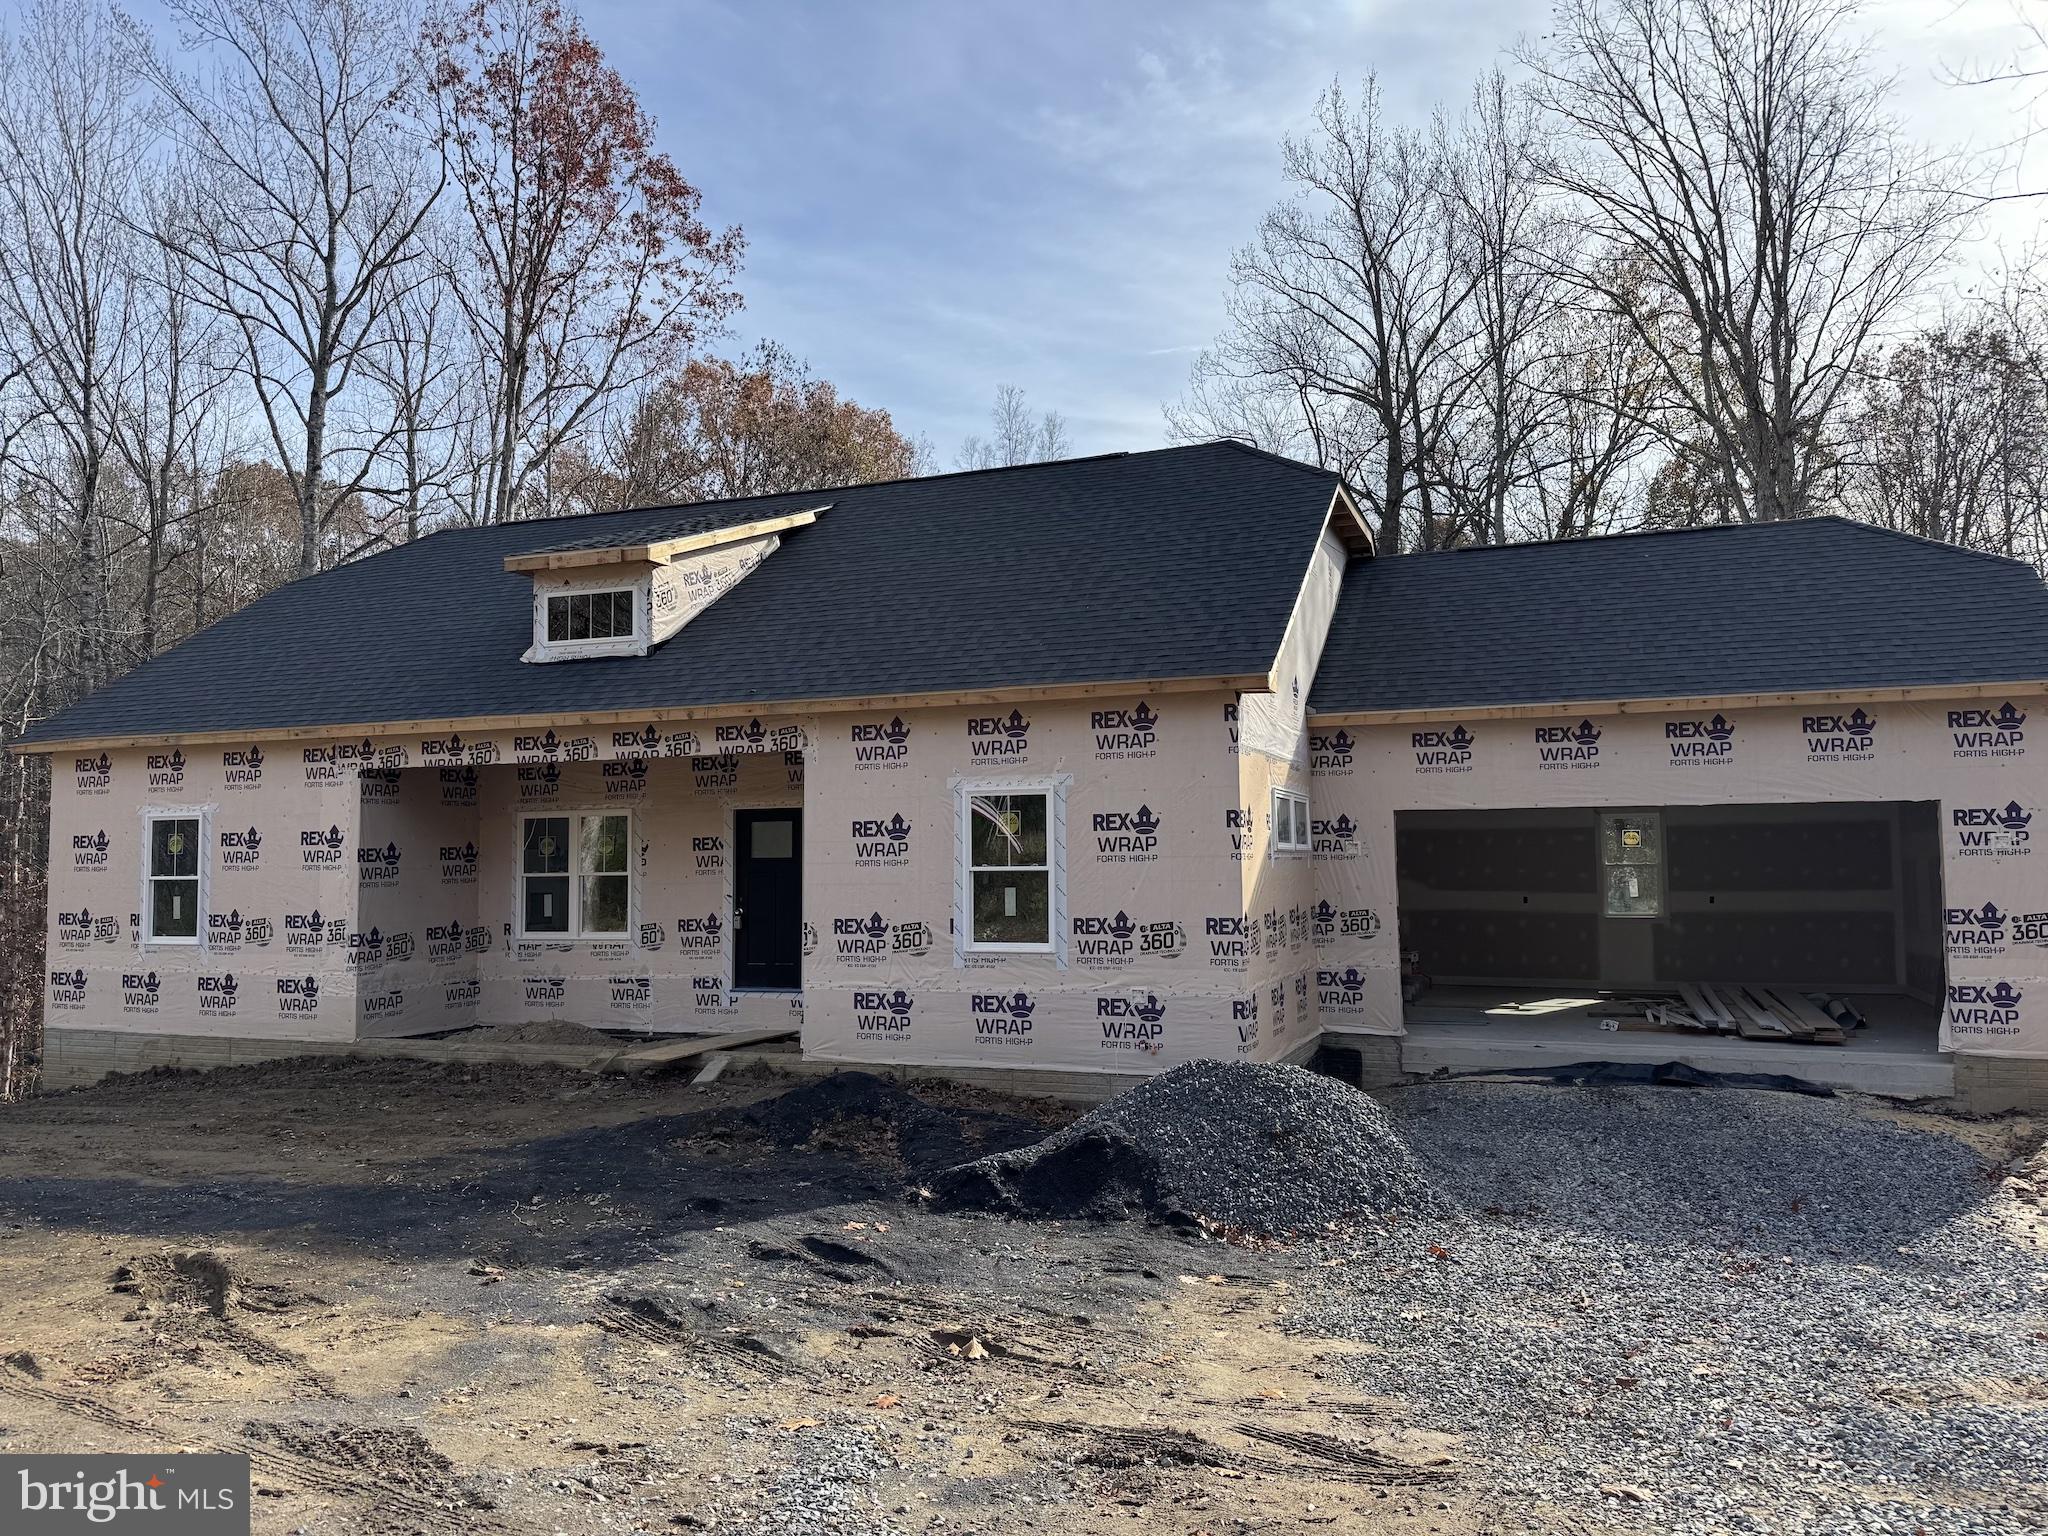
[1290,821]
[575,617]
[173,897]
[1010,869]
[575,878]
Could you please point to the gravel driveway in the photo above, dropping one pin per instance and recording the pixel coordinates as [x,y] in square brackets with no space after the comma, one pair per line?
[1714,1310]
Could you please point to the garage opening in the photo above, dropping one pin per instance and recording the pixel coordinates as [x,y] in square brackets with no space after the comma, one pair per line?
[1648,932]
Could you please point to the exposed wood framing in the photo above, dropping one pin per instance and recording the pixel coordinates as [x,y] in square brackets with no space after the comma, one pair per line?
[1348,523]
[1252,682]
[660,551]
[1677,705]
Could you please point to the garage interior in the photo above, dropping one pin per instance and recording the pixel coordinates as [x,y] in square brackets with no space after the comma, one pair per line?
[1549,936]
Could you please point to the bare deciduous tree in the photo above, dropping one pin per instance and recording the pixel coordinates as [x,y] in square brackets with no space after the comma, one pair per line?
[1741,156]
[1017,434]
[302,217]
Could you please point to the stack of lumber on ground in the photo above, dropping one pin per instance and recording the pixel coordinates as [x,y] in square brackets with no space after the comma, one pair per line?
[1754,1012]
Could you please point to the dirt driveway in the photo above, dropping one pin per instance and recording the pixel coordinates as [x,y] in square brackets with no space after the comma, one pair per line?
[503,1299]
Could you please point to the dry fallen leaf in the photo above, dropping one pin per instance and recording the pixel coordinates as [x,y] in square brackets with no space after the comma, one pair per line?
[793,1424]
[886,1400]
[855,1226]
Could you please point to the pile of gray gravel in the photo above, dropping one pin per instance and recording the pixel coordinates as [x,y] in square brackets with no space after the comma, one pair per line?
[1265,1151]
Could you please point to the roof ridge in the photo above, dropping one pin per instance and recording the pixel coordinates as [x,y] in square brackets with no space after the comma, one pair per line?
[1779,524]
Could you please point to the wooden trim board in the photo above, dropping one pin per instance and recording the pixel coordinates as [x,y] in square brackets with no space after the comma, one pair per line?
[660,551]
[344,730]
[1656,706]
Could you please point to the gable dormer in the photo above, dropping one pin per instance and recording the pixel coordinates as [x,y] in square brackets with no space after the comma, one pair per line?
[623,599]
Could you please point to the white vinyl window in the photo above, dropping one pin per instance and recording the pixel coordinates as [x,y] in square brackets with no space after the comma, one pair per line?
[1290,821]
[575,875]
[171,901]
[1010,868]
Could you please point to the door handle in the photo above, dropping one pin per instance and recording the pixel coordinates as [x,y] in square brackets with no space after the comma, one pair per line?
[739,915]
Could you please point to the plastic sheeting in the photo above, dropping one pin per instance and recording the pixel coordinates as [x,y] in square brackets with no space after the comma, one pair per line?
[1972,756]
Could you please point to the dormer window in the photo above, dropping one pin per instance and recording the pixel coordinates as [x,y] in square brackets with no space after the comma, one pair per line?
[576,616]
[602,599]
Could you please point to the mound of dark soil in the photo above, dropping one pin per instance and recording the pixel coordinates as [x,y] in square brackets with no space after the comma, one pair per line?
[1266,1151]
[859,1115]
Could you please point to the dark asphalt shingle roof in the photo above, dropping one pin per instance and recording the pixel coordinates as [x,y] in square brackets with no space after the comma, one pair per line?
[1823,603]
[1182,562]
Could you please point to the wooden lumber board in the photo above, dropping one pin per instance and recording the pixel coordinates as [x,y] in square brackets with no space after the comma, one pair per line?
[1749,1014]
[1713,1006]
[648,1057]
[1811,1020]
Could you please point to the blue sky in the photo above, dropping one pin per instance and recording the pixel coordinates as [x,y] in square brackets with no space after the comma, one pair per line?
[941,198]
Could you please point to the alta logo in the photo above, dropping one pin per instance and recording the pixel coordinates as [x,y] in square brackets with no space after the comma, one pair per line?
[321,850]
[1567,746]
[868,940]
[92,775]
[217,993]
[700,935]
[654,742]
[1699,742]
[879,844]
[1989,732]
[1986,831]
[241,850]
[1328,922]
[67,989]
[999,736]
[1850,738]
[1126,837]
[1125,733]
[1984,933]
[89,852]
[78,930]
[307,933]
[885,1014]
[242,770]
[1002,1018]
[457,862]
[1131,1023]
[752,735]
[715,775]
[1115,941]
[378,866]
[1984,1009]
[880,746]
[1331,753]
[139,992]
[166,769]
[298,995]
[1341,991]
[1443,751]
[1335,838]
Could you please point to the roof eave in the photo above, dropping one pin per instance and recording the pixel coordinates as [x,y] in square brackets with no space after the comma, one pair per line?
[1545,709]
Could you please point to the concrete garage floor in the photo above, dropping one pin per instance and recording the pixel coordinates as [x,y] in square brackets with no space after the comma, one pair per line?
[1478,1029]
